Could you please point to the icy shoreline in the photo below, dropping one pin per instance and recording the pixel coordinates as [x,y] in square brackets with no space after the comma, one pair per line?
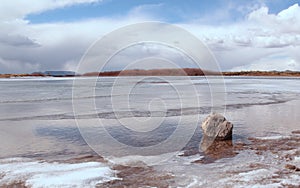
[271,161]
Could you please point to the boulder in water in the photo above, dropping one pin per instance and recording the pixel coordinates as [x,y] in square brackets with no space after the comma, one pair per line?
[217,127]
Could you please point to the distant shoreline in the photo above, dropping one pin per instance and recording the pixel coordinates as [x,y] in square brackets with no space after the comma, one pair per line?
[159,72]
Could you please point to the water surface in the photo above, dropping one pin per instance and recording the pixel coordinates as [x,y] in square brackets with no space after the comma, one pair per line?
[37,119]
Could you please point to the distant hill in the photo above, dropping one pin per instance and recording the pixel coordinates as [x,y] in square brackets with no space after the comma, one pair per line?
[263,73]
[59,73]
[156,72]
[42,74]
[190,72]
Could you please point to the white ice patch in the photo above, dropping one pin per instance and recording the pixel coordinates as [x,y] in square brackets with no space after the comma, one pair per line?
[278,137]
[297,159]
[189,159]
[252,178]
[31,78]
[294,180]
[44,174]
[254,174]
[138,160]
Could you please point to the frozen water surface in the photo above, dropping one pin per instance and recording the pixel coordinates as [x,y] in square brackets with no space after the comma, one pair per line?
[37,125]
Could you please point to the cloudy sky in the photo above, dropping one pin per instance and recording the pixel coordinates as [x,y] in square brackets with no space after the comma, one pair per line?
[243,35]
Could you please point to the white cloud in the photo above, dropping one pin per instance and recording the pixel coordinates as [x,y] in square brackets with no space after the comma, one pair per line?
[138,55]
[53,46]
[286,21]
[251,42]
[259,29]
[146,11]
[17,9]
[17,66]
[271,63]
[259,36]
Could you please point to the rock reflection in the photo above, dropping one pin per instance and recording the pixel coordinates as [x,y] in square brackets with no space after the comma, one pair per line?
[215,149]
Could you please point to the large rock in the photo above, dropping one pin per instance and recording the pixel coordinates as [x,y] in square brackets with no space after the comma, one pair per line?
[217,127]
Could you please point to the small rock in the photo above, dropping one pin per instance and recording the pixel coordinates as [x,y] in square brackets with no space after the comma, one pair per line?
[216,126]
[296,132]
[290,167]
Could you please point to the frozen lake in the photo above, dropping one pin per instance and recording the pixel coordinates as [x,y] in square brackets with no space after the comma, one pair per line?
[151,117]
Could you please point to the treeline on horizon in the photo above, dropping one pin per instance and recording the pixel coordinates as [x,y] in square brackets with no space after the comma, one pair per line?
[160,72]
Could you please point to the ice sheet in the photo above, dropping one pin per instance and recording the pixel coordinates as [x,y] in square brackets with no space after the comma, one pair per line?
[44,174]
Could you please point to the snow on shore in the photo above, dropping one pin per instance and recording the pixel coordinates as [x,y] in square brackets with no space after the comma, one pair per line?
[44,174]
